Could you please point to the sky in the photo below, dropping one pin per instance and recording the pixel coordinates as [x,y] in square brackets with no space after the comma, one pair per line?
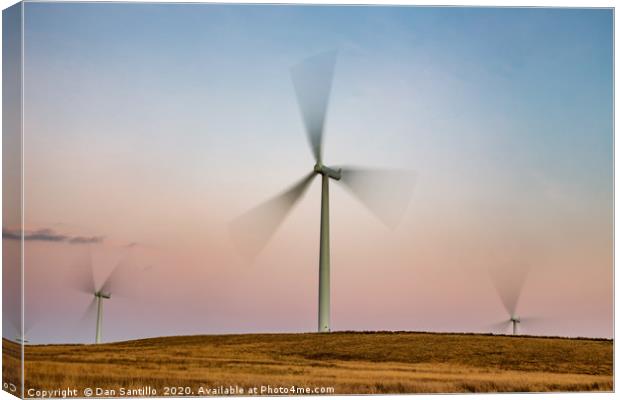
[148,128]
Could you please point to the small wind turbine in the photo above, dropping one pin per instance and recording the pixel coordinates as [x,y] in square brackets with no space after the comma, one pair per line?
[23,336]
[20,325]
[385,192]
[513,322]
[509,283]
[20,337]
[86,284]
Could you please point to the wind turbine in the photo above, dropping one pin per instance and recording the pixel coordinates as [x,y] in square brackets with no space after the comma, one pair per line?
[19,336]
[385,192]
[513,322]
[86,284]
[21,324]
[508,282]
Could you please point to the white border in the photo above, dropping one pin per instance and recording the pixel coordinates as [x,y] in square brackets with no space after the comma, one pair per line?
[478,3]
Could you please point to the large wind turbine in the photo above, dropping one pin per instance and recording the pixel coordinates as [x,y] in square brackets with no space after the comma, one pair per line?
[385,192]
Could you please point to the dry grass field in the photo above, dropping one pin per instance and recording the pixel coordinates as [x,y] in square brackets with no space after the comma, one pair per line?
[350,363]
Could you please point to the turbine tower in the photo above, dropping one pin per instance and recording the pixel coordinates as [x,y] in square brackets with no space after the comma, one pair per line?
[385,192]
[99,296]
[515,320]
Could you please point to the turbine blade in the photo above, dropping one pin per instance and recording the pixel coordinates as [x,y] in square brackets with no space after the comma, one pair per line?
[15,328]
[531,319]
[89,312]
[386,193]
[536,325]
[12,319]
[508,281]
[312,79]
[499,327]
[32,315]
[83,278]
[86,324]
[123,279]
[251,231]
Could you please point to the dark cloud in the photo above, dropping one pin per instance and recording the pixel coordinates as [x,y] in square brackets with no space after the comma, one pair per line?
[86,239]
[45,235]
[48,235]
[11,235]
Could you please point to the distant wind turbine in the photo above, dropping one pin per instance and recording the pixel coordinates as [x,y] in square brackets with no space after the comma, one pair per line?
[385,192]
[20,337]
[114,283]
[509,283]
[21,325]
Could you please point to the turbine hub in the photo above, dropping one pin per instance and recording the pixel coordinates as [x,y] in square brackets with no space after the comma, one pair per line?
[330,172]
[103,295]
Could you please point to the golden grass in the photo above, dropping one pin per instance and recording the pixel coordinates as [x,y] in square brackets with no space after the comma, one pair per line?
[351,363]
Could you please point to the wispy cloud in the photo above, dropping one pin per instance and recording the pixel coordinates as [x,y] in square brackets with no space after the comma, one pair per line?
[11,235]
[86,239]
[49,235]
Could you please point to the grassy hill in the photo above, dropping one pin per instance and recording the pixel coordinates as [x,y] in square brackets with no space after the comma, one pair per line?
[348,362]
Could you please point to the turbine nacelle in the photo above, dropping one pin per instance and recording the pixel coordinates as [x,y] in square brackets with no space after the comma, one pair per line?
[329,172]
[103,295]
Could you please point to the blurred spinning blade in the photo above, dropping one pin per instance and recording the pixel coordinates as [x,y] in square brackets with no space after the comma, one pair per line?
[386,193]
[312,79]
[508,281]
[251,231]
[533,324]
[500,327]
[83,278]
[87,319]
[124,279]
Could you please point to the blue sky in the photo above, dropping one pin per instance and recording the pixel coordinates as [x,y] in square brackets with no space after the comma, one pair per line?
[540,77]
[159,123]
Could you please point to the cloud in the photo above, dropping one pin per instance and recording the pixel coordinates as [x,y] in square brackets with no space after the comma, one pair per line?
[45,235]
[10,235]
[48,235]
[86,239]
